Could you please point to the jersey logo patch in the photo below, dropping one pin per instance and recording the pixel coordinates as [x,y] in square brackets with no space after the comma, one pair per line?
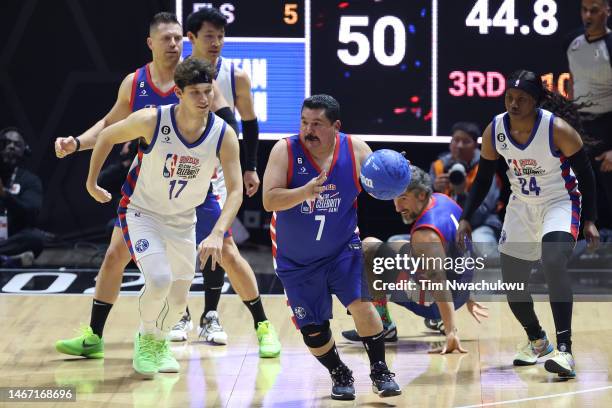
[141,245]
[299,312]
[501,137]
[170,165]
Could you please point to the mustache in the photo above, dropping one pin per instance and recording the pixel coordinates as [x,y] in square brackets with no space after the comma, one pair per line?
[311,138]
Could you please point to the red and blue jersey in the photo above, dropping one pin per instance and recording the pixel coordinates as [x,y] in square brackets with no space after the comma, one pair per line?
[145,94]
[316,231]
[442,216]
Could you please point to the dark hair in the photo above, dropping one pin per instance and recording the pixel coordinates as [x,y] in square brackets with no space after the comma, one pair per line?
[162,18]
[470,128]
[322,101]
[562,107]
[193,71]
[197,18]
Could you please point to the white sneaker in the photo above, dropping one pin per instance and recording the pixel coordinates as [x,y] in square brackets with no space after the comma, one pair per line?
[528,353]
[180,330]
[210,329]
[561,363]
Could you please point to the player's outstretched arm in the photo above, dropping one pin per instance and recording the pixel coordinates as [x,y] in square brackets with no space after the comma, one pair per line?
[427,244]
[481,186]
[568,141]
[138,124]
[120,110]
[276,195]
[229,154]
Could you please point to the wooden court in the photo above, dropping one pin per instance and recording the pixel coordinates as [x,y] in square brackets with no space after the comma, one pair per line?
[234,375]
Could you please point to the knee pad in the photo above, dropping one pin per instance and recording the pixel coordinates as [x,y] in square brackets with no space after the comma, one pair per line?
[318,340]
[157,272]
[557,247]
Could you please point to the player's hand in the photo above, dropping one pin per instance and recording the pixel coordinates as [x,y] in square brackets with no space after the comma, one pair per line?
[606,161]
[464,231]
[64,146]
[314,187]
[591,235]
[212,247]
[98,193]
[251,182]
[441,183]
[477,310]
[452,343]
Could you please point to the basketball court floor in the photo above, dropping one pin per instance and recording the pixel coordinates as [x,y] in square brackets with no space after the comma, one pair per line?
[234,375]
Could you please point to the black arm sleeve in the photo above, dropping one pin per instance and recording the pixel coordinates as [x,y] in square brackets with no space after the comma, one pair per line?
[228,116]
[250,133]
[480,187]
[581,165]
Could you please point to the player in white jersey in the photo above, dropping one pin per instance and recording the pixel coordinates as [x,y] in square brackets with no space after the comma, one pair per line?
[157,212]
[545,156]
[206,31]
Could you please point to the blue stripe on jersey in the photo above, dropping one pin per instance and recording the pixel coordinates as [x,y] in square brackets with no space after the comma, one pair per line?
[145,94]
[148,148]
[209,124]
[233,81]
[551,142]
[218,67]
[221,137]
[534,130]
[318,230]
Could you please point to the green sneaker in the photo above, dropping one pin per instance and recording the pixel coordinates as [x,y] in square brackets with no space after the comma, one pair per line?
[145,355]
[166,363]
[87,344]
[269,346]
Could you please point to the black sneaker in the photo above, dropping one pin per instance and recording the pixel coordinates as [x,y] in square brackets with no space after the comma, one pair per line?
[383,383]
[390,334]
[342,379]
[435,325]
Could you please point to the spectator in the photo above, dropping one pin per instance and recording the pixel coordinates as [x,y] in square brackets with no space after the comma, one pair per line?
[453,174]
[588,54]
[20,203]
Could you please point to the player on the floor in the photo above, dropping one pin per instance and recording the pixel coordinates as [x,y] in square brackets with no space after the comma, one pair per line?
[433,217]
[545,156]
[311,183]
[206,31]
[165,184]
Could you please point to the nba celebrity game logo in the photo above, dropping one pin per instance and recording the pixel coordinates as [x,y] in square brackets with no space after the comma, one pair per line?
[185,167]
[328,202]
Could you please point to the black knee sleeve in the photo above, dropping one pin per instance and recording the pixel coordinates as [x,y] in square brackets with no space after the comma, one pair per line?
[322,337]
[557,247]
[213,279]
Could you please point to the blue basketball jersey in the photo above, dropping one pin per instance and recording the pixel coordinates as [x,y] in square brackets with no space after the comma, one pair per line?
[316,231]
[145,94]
[442,216]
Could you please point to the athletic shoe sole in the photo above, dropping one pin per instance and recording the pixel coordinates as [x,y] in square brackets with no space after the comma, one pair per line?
[553,367]
[386,393]
[343,397]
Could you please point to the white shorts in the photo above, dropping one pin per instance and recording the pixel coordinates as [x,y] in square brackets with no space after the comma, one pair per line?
[146,233]
[525,224]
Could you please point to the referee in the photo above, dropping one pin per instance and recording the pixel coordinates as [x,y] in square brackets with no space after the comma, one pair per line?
[588,54]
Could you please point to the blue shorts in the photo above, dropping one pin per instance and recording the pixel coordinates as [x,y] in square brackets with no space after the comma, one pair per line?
[208,213]
[430,311]
[310,300]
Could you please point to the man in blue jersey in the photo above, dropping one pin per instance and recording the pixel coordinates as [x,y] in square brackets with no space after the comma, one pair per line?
[434,220]
[311,184]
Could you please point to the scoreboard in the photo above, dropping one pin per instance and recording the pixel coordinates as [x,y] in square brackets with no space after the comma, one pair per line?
[402,70]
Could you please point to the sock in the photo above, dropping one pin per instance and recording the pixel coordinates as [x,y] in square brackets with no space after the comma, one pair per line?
[375,347]
[99,314]
[213,283]
[534,331]
[331,359]
[562,314]
[257,311]
[383,312]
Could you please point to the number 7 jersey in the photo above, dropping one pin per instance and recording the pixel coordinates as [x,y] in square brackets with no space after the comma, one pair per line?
[171,177]
[537,171]
[317,230]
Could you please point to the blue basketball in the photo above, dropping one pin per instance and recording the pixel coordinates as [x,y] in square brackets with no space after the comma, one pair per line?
[385,174]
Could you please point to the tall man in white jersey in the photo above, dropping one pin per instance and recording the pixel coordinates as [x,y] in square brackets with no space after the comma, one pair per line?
[206,31]
[157,212]
[165,42]
[551,179]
